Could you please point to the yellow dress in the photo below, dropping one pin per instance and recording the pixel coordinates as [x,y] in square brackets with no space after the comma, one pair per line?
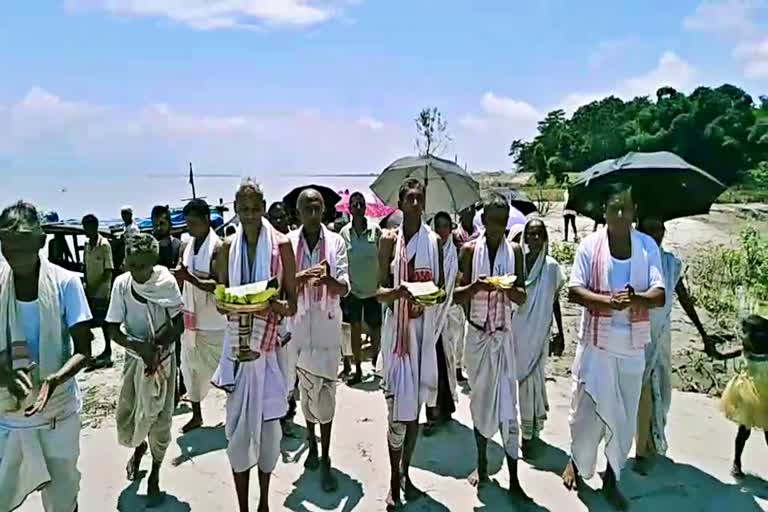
[745,399]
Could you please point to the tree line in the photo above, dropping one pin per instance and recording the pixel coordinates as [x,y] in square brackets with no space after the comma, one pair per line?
[721,130]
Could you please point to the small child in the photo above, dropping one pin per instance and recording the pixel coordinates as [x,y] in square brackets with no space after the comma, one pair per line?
[745,399]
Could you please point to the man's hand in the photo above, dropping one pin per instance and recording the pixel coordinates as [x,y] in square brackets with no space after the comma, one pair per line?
[182,274]
[620,301]
[19,384]
[315,272]
[46,392]
[279,307]
[147,352]
[482,285]
[166,336]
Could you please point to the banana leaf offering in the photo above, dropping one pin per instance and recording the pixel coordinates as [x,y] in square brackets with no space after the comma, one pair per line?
[506,282]
[254,294]
[426,294]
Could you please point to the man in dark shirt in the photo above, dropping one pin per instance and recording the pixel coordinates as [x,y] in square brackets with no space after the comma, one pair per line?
[161,229]
[170,248]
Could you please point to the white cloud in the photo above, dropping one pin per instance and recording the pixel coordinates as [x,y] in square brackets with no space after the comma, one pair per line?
[733,18]
[371,123]
[224,14]
[670,70]
[754,55]
[508,108]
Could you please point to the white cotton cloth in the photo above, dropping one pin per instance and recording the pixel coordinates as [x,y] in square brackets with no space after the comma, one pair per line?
[256,390]
[490,363]
[145,404]
[449,315]
[54,347]
[203,338]
[531,327]
[593,268]
[316,328]
[604,404]
[318,397]
[489,355]
[41,459]
[658,354]
[410,363]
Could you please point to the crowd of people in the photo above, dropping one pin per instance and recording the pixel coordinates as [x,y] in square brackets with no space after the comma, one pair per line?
[493,330]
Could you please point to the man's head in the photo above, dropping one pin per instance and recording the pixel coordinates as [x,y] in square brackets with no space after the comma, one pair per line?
[21,237]
[161,222]
[91,227]
[357,205]
[141,253]
[197,215]
[495,217]
[278,216]
[250,204]
[467,217]
[536,236]
[126,213]
[619,208]
[411,198]
[443,225]
[653,226]
[310,207]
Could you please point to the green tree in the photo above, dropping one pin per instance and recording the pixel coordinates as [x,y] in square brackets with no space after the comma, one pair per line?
[431,132]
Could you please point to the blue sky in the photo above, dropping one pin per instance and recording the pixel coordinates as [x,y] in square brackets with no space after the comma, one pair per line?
[99,91]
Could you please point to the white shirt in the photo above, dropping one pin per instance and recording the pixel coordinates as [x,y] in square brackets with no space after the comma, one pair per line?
[318,332]
[126,310]
[621,343]
[131,229]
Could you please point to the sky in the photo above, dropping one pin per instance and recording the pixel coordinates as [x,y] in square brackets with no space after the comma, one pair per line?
[99,98]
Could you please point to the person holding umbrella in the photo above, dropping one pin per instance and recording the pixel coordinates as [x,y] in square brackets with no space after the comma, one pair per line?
[617,278]
[414,254]
[656,394]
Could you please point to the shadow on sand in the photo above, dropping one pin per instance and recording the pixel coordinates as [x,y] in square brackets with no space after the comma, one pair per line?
[130,501]
[307,489]
[451,452]
[200,442]
[293,448]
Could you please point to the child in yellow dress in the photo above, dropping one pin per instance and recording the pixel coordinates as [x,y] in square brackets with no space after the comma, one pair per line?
[745,399]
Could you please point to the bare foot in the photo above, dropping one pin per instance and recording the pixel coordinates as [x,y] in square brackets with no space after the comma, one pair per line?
[570,476]
[263,507]
[329,482]
[736,471]
[155,497]
[517,493]
[528,449]
[410,491]
[193,424]
[615,497]
[393,503]
[134,463]
[477,479]
[312,462]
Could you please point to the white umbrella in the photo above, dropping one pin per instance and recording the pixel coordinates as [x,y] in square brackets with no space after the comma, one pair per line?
[448,187]
[515,217]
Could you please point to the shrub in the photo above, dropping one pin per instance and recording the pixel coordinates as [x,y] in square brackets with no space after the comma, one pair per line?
[564,252]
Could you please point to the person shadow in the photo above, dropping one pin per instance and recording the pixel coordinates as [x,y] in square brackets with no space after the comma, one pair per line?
[293,447]
[308,490]
[130,500]
[199,442]
[450,452]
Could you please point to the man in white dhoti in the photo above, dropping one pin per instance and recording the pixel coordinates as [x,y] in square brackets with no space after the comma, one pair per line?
[321,279]
[531,331]
[617,278]
[256,389]
[447,339]
[412,253]
[489,355]
[145,318]
[203,337]
[464,232]
[656,396]
[43,312]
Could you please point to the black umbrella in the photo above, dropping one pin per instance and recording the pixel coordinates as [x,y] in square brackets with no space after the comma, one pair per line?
[518,200]
[330,197]
[663,184]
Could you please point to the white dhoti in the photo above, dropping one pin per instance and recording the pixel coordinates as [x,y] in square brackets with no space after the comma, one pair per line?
[490,364]
[453,345]
[41,459]
[145,406]
[533,401]
[254,400]
[318,397]
[200,354]
[606,394]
